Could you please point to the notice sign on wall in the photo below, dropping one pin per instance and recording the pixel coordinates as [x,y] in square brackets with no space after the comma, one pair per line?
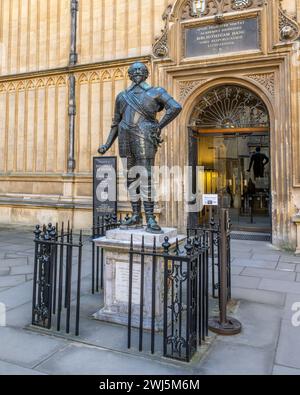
[210,200]
[233,36]
[105,187]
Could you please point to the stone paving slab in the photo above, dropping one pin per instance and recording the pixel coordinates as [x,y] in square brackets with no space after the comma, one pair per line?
[19,317]
[237,359]
[11,281]
[12,262]
[27,349]
[84,360]
[286,267]
[14,255]
[241,255]
[269,257]
[9,369]
[245,282]
[5,244]
[237,270]
[4,271]
[264,280]
[241,249]
[259,296]
[14,297]
[261,325]
[284,371]
[13,249]
[255,263]
[281,286]
[291,299]
[290,259]
[288,353]
[271,274]
[28,269]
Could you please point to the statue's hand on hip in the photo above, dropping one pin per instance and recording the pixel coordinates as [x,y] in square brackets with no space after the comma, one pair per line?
[103,149]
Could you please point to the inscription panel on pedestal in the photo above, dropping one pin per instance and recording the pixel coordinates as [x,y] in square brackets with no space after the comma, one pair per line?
[216,39]
[122,283]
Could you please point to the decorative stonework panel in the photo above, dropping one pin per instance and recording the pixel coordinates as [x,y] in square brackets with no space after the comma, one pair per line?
[33,83]
[267,80]
[187,87]
[289,29]
[160,47]
[218,7]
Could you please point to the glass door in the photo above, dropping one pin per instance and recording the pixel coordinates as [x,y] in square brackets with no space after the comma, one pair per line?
[237,168]
[255,179]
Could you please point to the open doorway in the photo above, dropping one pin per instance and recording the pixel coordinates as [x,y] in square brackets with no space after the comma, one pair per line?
[232,132]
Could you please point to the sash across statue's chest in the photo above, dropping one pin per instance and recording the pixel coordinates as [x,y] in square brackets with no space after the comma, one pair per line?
[142,102]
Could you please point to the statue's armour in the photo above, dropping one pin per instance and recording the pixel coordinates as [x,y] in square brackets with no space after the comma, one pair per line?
[137,130]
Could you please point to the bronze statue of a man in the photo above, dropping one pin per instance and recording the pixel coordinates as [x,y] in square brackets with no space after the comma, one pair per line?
[139,135]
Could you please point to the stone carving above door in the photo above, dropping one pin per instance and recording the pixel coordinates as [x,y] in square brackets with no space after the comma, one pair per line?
[187,87]
[267,80]
[218,7]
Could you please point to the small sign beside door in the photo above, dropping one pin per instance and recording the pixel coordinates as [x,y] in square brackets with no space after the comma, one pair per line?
[210,200]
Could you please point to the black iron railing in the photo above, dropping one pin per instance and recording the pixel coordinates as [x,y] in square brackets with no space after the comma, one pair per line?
[102,225]
[213,240]
[172,321]
[184,296]
[54,278]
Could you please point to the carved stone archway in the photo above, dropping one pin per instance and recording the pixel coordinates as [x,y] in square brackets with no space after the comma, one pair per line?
[224,108]
[191,101]
[210,84]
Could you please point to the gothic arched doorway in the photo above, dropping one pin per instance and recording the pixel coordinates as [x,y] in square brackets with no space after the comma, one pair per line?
[230,127]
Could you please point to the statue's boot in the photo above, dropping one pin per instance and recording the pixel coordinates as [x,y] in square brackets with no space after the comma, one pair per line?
[136,218]
[152,225]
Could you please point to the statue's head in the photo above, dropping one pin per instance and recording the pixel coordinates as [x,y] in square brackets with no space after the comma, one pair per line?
[138,72]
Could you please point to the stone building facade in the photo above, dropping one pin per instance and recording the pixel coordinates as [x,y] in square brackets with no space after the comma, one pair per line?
[62,62]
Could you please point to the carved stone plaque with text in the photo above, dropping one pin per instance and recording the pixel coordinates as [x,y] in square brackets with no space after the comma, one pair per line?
[122,282]
[232,36]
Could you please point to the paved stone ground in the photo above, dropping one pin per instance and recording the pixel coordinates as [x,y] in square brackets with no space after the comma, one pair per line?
[265,281]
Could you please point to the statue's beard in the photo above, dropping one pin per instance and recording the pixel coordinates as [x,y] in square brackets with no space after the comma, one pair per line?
[138,80]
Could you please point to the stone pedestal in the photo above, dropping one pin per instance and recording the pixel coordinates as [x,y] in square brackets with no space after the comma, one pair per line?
[116,246]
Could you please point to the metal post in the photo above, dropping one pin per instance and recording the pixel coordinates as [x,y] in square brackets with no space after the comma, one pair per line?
[79,284]
[154,263]
[141,334]
[223,325]
[72,115]
[73,50]
[130,292]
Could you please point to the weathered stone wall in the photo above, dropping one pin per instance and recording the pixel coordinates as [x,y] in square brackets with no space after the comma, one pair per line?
[35,34]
